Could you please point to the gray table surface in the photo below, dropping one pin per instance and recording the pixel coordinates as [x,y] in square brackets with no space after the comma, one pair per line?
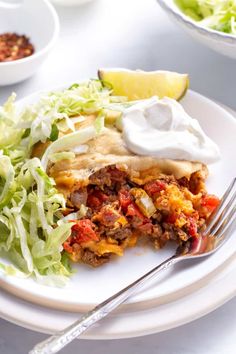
[133,34]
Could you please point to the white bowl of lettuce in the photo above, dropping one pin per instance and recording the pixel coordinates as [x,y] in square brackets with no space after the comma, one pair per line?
[212,22]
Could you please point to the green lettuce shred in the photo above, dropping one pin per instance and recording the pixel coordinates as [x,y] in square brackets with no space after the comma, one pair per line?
[29,235]
[32,226]
[219,15]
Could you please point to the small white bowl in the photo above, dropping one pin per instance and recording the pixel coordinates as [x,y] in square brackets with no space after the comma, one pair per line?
[36,19]
[220,42]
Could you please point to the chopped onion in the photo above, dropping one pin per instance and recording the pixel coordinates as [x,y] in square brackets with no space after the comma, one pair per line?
[74,216]
[143,201]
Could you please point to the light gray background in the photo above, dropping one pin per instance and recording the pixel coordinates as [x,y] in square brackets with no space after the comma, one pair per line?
[133,34]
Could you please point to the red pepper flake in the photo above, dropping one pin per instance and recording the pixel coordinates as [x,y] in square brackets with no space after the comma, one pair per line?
[14,46]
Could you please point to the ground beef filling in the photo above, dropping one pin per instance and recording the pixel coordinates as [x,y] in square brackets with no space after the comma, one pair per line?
[119,212]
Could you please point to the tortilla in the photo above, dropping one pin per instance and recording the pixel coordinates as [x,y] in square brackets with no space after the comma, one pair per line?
[109,148]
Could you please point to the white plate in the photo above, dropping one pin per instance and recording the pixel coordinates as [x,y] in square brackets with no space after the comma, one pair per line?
[208,297]
[84,289]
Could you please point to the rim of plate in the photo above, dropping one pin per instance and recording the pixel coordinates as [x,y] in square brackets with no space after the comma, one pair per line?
[127,325]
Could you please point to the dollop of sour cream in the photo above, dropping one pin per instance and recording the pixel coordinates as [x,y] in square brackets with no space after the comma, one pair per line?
[161,128]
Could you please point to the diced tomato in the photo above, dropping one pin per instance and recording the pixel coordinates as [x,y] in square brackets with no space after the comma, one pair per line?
[154,187]
[96,199]
[133,210]
[210,202]
[83,231]
[136,215]
[171,218]
[67,245]
[93,202]
[125,198]
[192,229]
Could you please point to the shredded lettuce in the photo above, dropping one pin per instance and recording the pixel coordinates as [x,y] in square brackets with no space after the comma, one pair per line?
[28,232]
[32,226]
[11,136]
[7,183]
[54,113]
[219,15]
[100,122]
[56,108]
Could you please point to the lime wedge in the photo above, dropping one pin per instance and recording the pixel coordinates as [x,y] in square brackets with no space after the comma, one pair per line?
[137,84]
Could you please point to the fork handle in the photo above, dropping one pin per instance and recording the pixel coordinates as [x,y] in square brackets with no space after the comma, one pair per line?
[59,340]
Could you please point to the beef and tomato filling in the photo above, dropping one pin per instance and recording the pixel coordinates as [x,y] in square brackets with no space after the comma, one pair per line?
[118,212]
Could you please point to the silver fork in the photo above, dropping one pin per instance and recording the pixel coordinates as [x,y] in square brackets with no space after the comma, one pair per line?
[212,238]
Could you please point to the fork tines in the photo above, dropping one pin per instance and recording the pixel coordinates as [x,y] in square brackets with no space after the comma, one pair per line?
[225,214]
